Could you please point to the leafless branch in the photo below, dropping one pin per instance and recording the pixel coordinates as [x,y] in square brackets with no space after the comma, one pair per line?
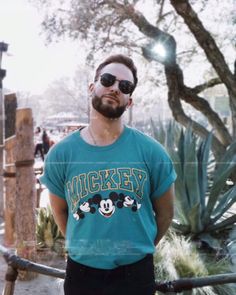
[211,83]
[202,105]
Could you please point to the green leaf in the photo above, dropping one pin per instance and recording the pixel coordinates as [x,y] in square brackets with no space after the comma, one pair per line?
[183,228]
[195,218]
[212,242]
[226,202]
[191,169]
[228,157]
[222,225]
[181,200]
[158,132]
[203,160]
[218,186]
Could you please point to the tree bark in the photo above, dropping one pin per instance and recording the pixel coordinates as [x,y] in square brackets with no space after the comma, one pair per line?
[1,149]
[10,193]
[174,101]
[204,107]
[214,55]
[10,113]
[25,187]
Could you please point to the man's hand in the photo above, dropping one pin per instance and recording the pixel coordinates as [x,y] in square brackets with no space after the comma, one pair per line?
[59,211]
[164,210]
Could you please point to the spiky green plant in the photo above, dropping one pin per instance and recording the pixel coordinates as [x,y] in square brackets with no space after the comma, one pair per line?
[202,194]
[177,257]
[47,232]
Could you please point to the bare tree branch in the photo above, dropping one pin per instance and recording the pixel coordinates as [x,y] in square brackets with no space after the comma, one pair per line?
[174,80]
[205,40]
[214,55]
[211,83]
[204,107]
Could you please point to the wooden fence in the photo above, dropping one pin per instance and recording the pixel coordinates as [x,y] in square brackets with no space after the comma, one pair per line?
[20,187]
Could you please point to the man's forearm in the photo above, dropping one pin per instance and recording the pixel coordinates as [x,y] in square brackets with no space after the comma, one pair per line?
[163,223]
[61,221]
[60,212]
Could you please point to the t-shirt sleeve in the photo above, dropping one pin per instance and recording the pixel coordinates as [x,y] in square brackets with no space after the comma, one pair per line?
[54,173]
[163,173]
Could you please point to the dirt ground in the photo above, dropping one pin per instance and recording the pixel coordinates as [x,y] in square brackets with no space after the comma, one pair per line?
[41,284]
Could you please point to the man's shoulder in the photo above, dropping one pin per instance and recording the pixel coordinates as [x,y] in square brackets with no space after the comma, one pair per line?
[64,144]
[144,137]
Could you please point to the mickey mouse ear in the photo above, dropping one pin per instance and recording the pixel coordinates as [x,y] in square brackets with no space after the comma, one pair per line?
[96,199]
[113,196]
[119,204]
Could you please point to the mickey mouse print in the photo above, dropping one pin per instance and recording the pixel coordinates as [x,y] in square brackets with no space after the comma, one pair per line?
[106,207]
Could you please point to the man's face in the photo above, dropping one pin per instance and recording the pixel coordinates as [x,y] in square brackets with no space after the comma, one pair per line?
[110,101]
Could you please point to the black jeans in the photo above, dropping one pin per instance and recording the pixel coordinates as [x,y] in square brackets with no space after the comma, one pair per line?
[133,279]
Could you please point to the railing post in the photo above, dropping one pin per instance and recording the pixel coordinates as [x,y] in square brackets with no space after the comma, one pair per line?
[10,278]
[3,48]
[25,188]
[10,192]
[10,105]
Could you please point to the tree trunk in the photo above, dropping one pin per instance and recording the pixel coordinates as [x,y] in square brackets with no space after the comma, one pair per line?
[10,113]
[1,150]
[10,192]
[25,188]
[213,53]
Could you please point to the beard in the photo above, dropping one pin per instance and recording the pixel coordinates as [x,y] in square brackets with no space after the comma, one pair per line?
[107,110]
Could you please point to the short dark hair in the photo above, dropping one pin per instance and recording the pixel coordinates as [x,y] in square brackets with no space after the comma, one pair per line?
[121,59]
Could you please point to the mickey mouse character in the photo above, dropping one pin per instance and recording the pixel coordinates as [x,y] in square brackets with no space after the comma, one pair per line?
[84,208]
[106,207]
[128,202]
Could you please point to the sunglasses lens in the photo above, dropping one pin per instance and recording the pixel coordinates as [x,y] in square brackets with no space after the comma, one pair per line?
[107,80]
[126,87]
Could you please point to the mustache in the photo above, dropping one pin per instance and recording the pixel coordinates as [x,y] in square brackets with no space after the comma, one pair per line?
[112,95]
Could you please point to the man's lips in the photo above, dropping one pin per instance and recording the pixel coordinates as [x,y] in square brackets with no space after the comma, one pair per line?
[111,97]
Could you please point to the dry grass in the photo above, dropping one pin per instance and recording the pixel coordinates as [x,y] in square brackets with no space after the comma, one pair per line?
[177,257]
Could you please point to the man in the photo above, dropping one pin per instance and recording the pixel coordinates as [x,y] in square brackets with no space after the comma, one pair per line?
[111,192]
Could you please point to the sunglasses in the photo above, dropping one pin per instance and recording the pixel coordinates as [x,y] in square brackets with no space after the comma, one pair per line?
[125,86]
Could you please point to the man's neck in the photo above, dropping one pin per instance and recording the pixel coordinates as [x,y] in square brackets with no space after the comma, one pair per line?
[103,131]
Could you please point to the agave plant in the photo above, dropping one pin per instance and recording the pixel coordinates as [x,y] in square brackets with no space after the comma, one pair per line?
[47,232]
[203,196]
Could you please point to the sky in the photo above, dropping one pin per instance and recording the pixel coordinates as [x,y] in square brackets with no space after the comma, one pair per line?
[31,65]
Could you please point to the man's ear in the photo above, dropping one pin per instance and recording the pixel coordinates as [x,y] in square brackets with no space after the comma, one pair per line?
[91,88]
[130,103]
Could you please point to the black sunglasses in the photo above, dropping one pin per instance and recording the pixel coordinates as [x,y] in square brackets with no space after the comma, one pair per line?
[125,86]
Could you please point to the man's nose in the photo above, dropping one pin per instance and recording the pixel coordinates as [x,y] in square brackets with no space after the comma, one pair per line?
[115,87]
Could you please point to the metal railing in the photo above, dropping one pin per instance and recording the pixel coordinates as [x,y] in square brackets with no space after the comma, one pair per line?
[16,263]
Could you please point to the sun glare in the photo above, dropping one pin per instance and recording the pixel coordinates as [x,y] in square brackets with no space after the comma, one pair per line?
[159,49]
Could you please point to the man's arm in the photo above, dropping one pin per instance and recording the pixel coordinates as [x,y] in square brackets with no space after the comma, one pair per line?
[164,211]
[59,211]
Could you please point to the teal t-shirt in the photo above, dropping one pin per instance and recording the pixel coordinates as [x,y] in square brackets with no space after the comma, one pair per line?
[109,192]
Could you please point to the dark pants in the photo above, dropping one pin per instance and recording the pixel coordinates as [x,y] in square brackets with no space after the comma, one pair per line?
[133,279]
[39,149]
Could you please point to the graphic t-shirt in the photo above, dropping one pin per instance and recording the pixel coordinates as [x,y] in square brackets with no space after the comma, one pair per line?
[109,192]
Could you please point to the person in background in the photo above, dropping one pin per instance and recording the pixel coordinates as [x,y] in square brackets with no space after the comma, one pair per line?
[46,142]
[38,143]
[111,192]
